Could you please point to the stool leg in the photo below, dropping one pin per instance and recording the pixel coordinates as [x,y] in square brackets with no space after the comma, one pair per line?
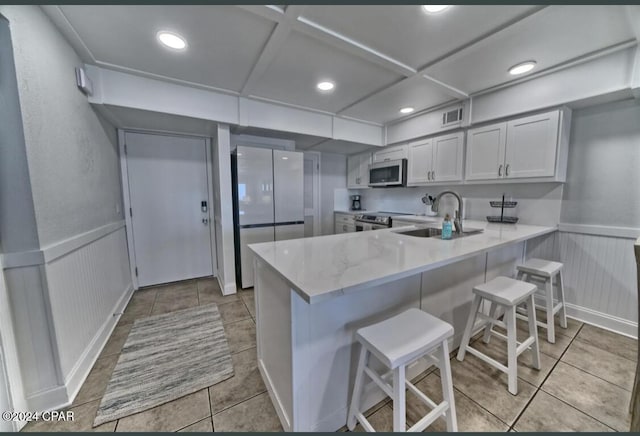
[475,305]
[533,331]
[551,331]
[399,404]
[357,389]
[487,330]
[447,388]
[512,344]
[563,310]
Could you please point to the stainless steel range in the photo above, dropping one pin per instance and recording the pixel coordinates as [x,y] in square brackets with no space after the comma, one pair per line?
[375,220]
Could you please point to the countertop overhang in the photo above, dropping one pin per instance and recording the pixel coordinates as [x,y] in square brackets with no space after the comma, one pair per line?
[324,267]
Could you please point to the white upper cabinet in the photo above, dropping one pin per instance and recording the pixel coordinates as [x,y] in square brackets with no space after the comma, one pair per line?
[390,153]
[485,152]
[531,146]
[436,160]
[358,171]
[448,158]
[420,162]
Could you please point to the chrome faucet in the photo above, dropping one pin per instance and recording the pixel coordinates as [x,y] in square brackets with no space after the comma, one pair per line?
[457,221]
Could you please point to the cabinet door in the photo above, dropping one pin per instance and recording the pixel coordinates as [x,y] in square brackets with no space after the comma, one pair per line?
[447,158]
[485,152]
[353,171]
[420,162]
[391,153]
[531,146]
[365,161]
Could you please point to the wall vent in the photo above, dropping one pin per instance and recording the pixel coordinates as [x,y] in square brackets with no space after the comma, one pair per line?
[452,117]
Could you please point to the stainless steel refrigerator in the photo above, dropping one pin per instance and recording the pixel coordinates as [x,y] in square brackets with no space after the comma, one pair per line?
[268,201]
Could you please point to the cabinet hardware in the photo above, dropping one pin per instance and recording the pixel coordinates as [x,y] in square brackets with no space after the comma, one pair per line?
[500,171]
[506,170]
[428,175]
[433,175]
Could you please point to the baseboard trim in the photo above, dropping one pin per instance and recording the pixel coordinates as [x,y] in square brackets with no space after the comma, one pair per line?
[602,320]
[80,372]
[50,399]
[229,288]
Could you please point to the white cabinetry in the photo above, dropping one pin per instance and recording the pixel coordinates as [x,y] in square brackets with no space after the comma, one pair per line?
[391,153]
[344,223]
[358,171]
[533,147]
[435,160]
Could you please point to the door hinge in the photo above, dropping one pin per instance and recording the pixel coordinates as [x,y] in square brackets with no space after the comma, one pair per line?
[136,271]
[125,149]
[131,212]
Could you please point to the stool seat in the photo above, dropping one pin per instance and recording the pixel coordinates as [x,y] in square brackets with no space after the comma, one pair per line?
[419,332]
[506,291]
[540,267]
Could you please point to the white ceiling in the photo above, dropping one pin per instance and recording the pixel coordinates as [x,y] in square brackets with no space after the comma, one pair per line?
[381,58]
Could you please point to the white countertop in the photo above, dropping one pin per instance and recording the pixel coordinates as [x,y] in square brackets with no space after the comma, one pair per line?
[326,266]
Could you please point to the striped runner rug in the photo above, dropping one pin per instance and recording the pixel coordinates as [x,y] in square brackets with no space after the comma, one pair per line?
[164,358]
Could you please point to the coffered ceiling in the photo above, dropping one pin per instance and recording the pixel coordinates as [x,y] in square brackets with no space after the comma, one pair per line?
[381,58]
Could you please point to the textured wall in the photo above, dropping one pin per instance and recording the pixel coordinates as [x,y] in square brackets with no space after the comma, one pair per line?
[603,177]
[73,161]
[18,230]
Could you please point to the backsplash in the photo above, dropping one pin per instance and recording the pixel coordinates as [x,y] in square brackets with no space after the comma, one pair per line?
[538,203]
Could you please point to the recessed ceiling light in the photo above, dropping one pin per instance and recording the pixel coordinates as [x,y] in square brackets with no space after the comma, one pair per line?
[326,85]
[434,9]
[406,110]
[172,40]
[522,68]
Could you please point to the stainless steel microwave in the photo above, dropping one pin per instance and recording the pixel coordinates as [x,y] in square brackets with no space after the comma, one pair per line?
[388,173]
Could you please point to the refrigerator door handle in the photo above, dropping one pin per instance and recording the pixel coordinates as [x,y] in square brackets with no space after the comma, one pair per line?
[288,223]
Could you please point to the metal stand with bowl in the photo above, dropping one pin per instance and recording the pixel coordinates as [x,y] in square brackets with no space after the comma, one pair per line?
[507,211]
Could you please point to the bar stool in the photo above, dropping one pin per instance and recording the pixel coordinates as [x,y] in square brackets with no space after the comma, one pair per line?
[396,342]
[508,294]
[545,271]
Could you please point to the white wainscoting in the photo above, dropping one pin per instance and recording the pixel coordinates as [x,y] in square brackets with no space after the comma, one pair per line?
[64,310]
[86,287]
[600,275]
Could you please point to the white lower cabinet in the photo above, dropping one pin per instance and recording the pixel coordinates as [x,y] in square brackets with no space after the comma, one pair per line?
[435,160]
[344,223]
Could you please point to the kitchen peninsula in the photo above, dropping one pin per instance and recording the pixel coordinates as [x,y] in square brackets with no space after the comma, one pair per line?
[312,294]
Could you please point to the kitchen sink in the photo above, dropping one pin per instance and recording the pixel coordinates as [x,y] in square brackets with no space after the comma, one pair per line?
[432,232]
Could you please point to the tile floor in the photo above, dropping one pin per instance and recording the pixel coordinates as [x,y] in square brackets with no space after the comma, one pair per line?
[584,384]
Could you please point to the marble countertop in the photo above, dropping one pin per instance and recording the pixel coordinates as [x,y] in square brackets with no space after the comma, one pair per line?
[323,267]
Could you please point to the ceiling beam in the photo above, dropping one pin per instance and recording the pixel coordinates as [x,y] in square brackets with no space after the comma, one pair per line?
[352,46]
[64,25]
[448,89]
[272,47]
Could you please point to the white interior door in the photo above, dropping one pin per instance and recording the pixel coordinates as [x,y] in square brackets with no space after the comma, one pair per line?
[167,178]
[311,194]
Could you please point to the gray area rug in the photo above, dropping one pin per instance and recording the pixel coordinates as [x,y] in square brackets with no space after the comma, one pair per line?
[164,358]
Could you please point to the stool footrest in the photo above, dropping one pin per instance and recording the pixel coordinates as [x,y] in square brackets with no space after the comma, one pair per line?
[364,422]
[538,323]
[525,345]
[425,422]
[480,355]
[379,381]
[493,321]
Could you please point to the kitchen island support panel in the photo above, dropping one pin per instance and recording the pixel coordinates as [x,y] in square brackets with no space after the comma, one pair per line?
[307,354]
